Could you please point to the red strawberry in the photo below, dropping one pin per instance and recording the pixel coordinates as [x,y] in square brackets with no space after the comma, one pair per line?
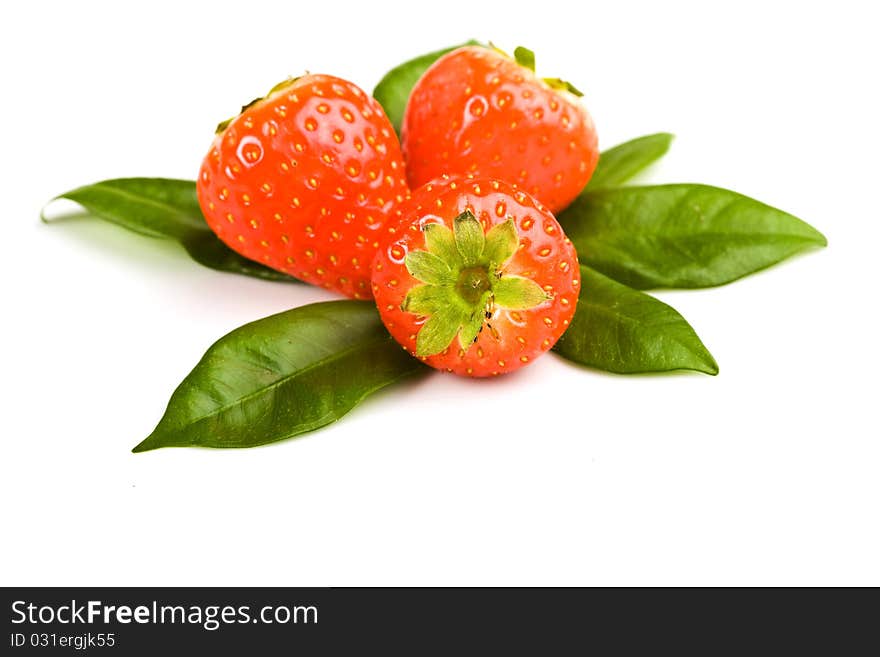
[477,279]
[477,111]
[304,179]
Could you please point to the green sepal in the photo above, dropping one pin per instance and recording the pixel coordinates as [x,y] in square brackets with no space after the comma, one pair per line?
[518,293]
[469,237]
[471,328]
[283,85]
[225,124]
[428,299]
[440,241]
[428,268]
[278,87]
[525,57]
[563,85]
[501,243]
[439,330]
[492,46]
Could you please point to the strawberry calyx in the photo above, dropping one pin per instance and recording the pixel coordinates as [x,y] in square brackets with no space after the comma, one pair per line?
[526,58]
[464,282]
[278,87]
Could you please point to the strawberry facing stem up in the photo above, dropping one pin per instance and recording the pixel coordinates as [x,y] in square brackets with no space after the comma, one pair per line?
[478,279]
[464,282]
[481,112]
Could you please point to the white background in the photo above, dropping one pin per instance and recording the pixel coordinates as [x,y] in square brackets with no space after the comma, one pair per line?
[767,474]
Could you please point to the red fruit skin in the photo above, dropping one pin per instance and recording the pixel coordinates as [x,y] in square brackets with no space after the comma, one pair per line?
[304,181]
[545,255]
[476,111]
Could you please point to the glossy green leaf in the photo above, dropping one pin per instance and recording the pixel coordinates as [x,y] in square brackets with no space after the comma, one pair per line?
[156,207]
[165,208]
[618,329]
[622,162]
[282,376]
[206,249]
[394,88]
[681,236]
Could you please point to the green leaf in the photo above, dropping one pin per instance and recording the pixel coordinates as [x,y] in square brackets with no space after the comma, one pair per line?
[428,268]
[501,243]
[156,207]
[618,329]
[282,376]
[518,293]
[165,208]
[619,164]
[469,237]
[394,88]
[206,249]
[681,236]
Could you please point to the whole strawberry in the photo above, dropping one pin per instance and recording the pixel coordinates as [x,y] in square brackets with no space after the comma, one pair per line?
[304,179]
[477,279]
[477,111]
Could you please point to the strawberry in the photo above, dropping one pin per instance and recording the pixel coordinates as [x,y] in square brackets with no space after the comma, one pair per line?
[477,111]
[303,181]
[477,278]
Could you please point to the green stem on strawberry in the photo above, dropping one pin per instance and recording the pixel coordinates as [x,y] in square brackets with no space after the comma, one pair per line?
[278,87]
[464,281]
[526,58]
[563,85]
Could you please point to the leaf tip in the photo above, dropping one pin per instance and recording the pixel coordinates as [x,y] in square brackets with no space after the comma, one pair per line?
[709,364]
[813,235]
[666,138]
[146,445]
[44,217]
